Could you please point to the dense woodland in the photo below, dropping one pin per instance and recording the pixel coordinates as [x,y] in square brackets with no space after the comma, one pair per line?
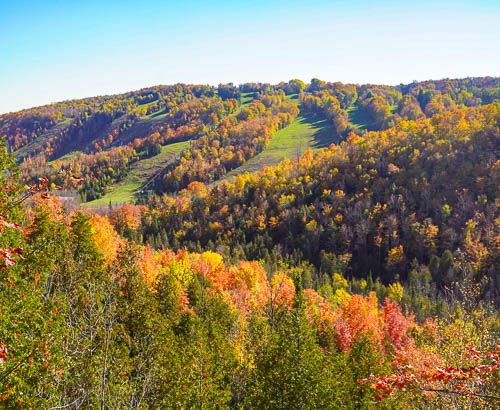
[361,275]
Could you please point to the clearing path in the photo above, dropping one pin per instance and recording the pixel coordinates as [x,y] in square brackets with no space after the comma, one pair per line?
[307,131]
[246,99]
[36,146]
[139,173]
[142,171]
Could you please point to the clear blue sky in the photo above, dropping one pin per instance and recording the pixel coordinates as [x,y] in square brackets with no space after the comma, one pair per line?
[54,50]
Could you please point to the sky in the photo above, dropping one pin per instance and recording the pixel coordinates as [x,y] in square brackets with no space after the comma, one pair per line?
[53,50]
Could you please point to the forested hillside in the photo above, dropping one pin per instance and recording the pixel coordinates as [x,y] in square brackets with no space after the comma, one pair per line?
[288,246]
[389,202]
[226,126]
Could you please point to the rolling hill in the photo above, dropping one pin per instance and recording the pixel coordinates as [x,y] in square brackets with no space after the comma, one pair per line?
[118,142]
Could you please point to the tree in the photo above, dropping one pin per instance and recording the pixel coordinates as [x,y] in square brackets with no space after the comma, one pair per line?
[316,84]
[290,369]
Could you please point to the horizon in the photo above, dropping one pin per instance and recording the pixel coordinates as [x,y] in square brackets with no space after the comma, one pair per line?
[120,92]
[58,51]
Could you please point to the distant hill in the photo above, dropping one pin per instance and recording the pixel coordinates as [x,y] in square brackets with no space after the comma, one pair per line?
[113,140]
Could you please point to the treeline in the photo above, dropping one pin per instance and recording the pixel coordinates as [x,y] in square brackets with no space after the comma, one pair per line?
[328,106]
[385,106]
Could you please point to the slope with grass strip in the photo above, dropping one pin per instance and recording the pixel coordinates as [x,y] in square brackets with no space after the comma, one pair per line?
[139,173]
[307,131]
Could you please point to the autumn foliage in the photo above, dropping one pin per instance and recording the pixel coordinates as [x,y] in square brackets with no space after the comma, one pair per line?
[361,275]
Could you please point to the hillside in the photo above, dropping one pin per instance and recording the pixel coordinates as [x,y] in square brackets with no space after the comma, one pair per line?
[232,130]
[387,202]
[226,235]
[139,174]
[306,132]
[66,139]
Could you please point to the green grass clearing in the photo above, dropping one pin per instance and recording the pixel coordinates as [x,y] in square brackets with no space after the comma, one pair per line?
[294,98]
[157,114]
[125,190]
[307,131]
[247,98]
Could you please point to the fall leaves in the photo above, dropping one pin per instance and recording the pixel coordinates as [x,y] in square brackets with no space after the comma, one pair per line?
[3,353]
[448,380]
[349,199]
[277,285]
[12,255]
[229,145]
[200,284]
[246,288]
